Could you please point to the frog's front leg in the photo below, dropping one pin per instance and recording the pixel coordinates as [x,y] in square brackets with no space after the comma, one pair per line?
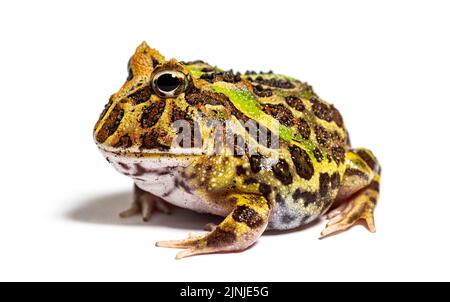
[358,194]
[146,204]
[240,229]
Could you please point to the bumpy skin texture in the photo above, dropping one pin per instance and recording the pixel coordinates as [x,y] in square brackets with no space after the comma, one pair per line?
[304,167]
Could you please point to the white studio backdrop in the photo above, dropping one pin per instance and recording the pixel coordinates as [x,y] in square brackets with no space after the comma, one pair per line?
[384,64]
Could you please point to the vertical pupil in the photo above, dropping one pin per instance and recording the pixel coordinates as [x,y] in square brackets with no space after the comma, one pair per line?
[167,82]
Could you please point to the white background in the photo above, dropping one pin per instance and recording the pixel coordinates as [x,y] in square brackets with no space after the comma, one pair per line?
[384,64]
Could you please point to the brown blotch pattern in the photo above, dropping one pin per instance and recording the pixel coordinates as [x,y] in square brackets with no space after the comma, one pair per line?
[149,140]
[338,154]
[255,163]
[355,172]
[324,184]
[303,128]
[295,103]
[225,76]
[261,91]
[322,111]
[124,142]
[279,112]
[336,116]
[375,185]
[318,155]
[141,95]
[248,216]
[196,97]
[322,136]
[302,162]
[367,158]
[152,113]
[307,197]
[281,172]
[105,109]
[110,125]
[265,189]
[273,82]
[335,180]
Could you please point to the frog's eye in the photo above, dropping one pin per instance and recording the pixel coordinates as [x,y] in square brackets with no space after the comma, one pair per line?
[169,83]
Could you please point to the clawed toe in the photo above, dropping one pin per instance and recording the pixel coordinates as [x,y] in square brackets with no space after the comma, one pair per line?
[146,204]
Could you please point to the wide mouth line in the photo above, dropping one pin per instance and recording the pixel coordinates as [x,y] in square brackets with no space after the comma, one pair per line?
[147,154]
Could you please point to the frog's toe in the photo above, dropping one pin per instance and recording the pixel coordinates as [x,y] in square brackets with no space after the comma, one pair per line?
[146,204]
[358,209]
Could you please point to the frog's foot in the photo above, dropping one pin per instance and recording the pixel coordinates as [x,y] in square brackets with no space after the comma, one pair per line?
[146,204]
[358,208]
[240,229]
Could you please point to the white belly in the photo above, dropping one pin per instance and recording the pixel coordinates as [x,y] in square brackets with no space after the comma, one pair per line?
[161,176]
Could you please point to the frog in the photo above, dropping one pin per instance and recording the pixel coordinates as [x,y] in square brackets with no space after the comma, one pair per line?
[260,149]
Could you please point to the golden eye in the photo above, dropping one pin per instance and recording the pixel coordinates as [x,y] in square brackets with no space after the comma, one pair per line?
[169,83]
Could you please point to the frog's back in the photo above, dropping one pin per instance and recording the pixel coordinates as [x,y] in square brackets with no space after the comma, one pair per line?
[305,180]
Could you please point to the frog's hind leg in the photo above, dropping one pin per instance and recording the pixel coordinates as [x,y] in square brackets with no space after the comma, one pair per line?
[240,229]
[146,204]
[358,194]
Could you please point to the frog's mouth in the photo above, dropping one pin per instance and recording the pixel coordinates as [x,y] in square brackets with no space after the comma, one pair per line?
[152,153]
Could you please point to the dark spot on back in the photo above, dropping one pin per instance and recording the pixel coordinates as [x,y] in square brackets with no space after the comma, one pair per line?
[302,162]
[322,136]
[281,172]
[295,103]
[261,91]
[336,116]
[248,216]
[152,113]
[225,76]
[279,112]
[322,111]
[273,82]
[338,154]
[303,128]
[318,155]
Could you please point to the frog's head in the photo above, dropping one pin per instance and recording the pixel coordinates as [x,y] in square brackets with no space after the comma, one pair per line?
[141,118]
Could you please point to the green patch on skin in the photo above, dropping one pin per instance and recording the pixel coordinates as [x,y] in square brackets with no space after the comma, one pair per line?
[241,98]
[248,104]
[194,71]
